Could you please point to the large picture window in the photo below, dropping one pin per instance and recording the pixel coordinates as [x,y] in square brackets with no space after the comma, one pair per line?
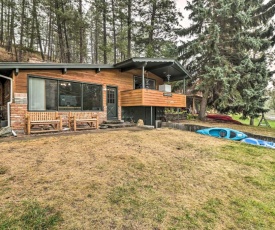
[149,83]
[69,95]
[48,94]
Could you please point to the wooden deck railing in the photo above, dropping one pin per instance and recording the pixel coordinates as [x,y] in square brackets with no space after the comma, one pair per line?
[149,97]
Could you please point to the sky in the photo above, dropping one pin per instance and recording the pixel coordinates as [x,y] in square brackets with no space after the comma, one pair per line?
[180,5]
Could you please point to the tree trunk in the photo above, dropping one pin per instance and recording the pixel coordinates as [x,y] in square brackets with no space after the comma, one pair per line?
[68,54]
[203,105]
[129,29]
[96,40]
[114,30]
[104,31]
[13,37]
[38,31]
[33,24]
[50,35]
[150,51]
[92,32]
[2,24]
[10,19]
[22,31]
[60,32]
[251,121]
[92,48]
[80,33]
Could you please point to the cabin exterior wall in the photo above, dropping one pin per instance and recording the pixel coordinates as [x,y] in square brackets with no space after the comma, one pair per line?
[123,81]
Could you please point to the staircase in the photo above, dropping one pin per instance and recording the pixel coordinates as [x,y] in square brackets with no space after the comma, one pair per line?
[112,124]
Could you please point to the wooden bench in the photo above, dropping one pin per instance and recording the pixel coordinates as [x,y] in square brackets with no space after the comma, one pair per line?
[83,120]
[46,122]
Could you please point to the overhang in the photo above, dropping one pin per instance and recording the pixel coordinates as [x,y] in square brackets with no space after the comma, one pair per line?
[161,67]
[6,68]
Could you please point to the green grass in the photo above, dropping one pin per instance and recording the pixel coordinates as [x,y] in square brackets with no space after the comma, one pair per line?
[29,215]
[246,207]
[256,120]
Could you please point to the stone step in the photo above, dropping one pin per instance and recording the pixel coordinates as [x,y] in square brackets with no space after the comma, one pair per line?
[120,125]
[112,122]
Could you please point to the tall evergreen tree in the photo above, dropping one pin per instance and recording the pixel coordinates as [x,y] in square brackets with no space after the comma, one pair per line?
[227,54]
[156,25]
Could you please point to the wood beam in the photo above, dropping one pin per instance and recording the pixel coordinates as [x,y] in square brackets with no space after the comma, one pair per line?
[135,66]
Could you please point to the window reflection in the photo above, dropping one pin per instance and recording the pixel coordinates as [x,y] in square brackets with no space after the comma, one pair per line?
[149,83]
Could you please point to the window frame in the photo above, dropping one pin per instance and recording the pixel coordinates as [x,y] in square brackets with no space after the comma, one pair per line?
[58,80]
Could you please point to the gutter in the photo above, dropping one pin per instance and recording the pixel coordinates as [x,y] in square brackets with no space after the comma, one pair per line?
[8,104]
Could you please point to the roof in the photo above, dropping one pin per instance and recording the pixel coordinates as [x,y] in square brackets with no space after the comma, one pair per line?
[7,67]
[159,66]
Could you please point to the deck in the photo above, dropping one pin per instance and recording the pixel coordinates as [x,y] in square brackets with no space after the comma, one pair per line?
[149,97]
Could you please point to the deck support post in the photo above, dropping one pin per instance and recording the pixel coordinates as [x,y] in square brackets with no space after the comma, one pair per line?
[184,86]
[143,79]
[151,115]
[193,110]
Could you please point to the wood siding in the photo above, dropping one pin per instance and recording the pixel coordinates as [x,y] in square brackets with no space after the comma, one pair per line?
[123,81]
[147,97]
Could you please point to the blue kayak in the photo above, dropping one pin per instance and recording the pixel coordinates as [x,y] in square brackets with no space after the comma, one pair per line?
[262,143]
[223,133]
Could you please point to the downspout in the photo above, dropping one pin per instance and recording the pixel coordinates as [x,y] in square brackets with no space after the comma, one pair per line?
[8,104]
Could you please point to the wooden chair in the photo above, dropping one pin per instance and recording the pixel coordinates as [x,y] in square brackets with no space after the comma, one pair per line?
[45,121]
[83,120]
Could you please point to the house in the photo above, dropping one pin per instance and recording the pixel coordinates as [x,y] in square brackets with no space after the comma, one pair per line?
[128,90]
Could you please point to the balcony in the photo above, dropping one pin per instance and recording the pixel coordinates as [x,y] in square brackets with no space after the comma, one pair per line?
[149,97]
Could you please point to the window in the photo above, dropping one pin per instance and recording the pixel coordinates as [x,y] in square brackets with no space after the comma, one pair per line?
[51,94]
[37,91]
[92,97]
[149,83]
[111,96]
[47,94]
[69,95]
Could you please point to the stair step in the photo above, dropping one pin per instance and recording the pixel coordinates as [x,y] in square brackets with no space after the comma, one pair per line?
[112,122]
[120,125]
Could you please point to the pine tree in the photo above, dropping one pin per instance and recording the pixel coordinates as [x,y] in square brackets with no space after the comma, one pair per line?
[227,54]
[156,25]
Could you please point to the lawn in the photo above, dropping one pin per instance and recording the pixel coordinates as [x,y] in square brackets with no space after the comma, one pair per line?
[256,120]
[135,179]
